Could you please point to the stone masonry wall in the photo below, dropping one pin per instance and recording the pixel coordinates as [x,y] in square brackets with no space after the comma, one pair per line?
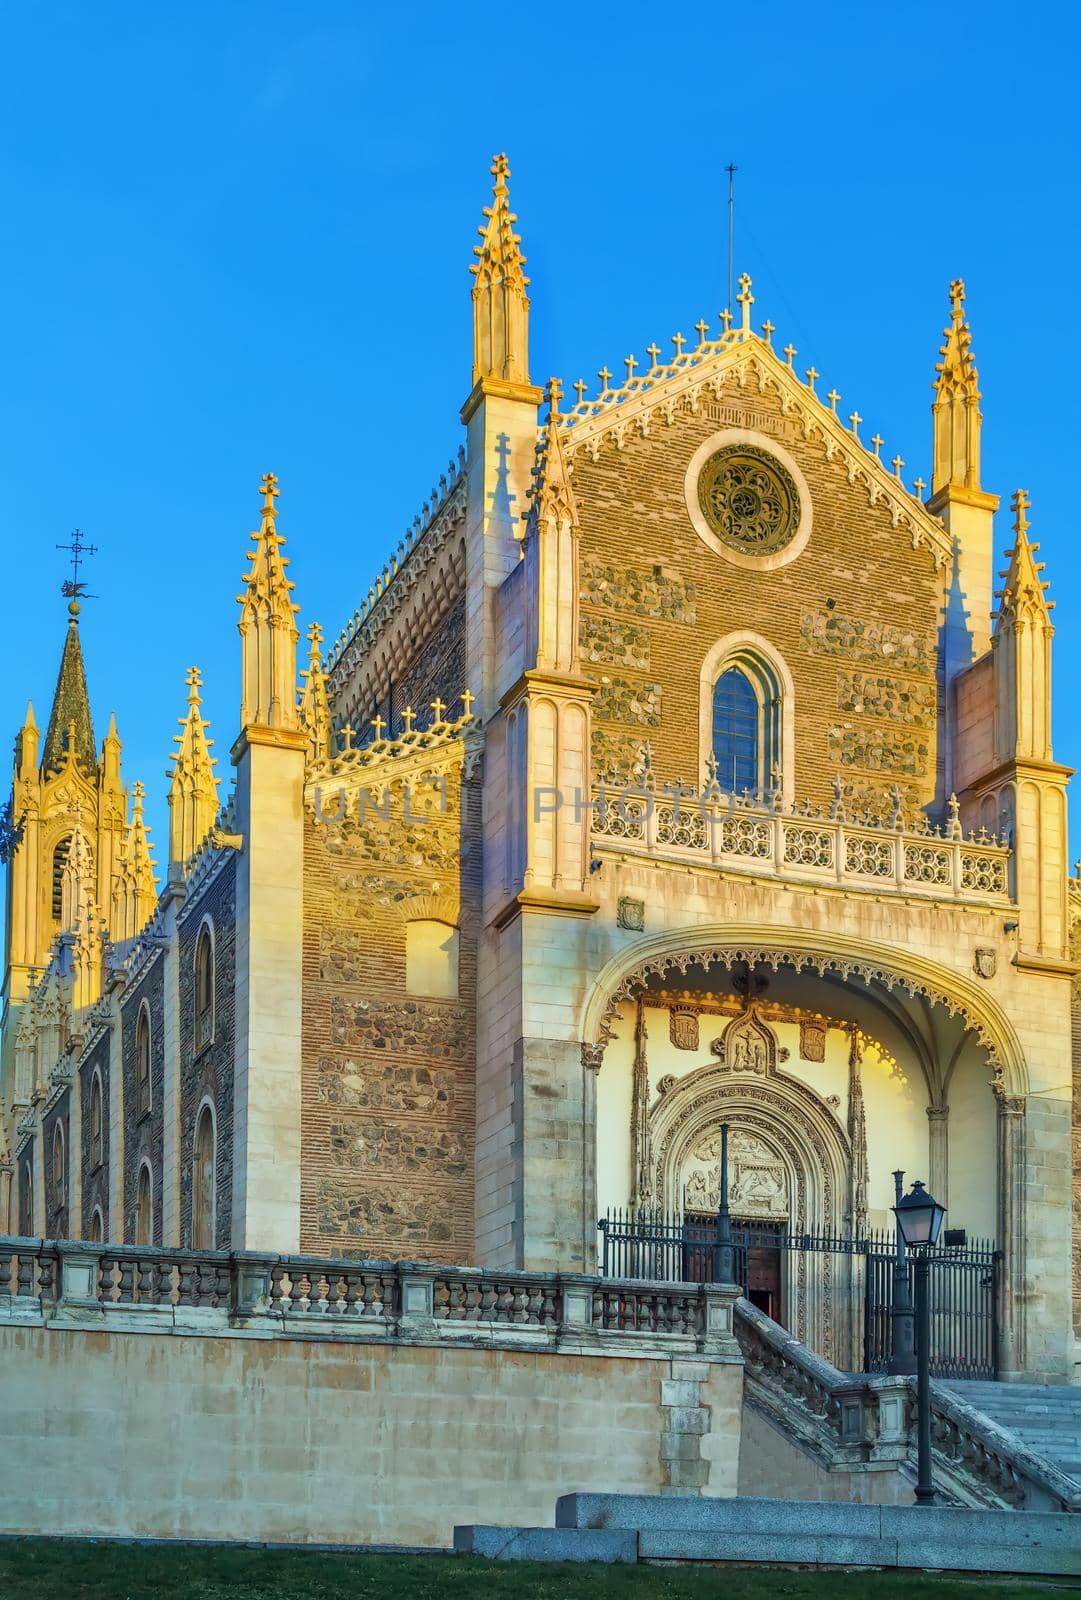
[143,1133]
[96,1175]
[855,616]
[297,1440]
[210,1072]
[388,1078]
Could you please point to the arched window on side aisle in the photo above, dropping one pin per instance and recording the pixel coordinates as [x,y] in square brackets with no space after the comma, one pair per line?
[204,988]
[203,1197]
[144,1206]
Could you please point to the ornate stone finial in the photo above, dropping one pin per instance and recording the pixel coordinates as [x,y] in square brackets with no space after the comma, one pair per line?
[500,302]
[1019,504]
[953,808]
[726,319]
[701,328]
[409,716]
[580,386]
[679,341]
[553,394]
[467,700]
[194,680]
[920,485]
[854,420]
[746,299]
[605,376]
[630,362]
[837,808]
[790,353]
[378,723]
[768,330]
[877,442]
[268,488]
[956,408]
[438,708]
[812,374]
[653,351]
[834,399]
[193,788]
[897,463]
[267,626]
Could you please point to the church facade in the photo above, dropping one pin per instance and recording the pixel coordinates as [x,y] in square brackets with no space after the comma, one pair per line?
[681,768]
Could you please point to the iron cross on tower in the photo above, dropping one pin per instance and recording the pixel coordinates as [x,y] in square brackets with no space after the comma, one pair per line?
[74,588]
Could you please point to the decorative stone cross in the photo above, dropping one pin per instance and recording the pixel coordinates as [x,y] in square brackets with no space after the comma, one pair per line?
[579,386]
[854,420]
[920,486]
[555,394]
[877,441]
[897,463]
[679,341]
[467,702]
[726,319]
[701,328]
[769,330]
[409,716]
[630,362]
[269,489]
[653,352]
[346,736]
[604,375]
[378,723]
[834,399]
[790,353]
[812,374]
[438,707]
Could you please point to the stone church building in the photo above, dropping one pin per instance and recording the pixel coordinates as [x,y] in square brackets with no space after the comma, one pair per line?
[682,766]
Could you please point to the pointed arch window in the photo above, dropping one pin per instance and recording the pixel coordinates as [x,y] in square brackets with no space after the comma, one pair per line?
[746,725]
[60,860]
[203,1198]
[97,1227]
[142,1062]
[58,1163]
[26,1201]
[144,1206]
[204,988]
[97,1146]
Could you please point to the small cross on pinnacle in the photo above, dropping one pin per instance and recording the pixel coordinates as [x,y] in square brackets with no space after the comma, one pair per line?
[854,420]
[653,351]
[679,341]
[604,375]
[746,299]
[409,716]
[467,701]
[833,397]
[194,681]
[877,441]
[555,395]
[1020,503]
[726,319]
[580,386]
[269,490]
[790,352]
[920,486]
[378,723]
[347,734]
[701,328]
[897,463]
[438,707]
[630,362]
[769,330]
[812,374]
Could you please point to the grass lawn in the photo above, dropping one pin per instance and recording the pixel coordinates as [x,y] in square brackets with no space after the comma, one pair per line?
[41,1570]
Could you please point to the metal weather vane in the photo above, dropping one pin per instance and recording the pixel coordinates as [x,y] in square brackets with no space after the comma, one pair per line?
[74,588]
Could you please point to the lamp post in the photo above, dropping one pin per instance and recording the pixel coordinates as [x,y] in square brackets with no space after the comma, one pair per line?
[902,1327]
[919,1219]
[723,1254]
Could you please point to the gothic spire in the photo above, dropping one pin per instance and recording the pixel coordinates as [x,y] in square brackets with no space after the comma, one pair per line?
[552,492]
[135,891]
[268,630]
[71,707]
[193,788]
[1023,597]
[956,409]
[552,552]
[314,707]
[500,302]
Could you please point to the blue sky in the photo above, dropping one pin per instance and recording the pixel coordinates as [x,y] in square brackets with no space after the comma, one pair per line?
[235,238]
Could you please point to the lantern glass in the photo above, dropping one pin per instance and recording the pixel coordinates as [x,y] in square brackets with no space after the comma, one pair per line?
[919,1216]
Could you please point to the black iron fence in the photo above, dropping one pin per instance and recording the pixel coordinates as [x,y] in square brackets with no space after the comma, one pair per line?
[964,1280]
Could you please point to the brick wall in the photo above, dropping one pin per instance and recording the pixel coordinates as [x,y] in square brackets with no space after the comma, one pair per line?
[388,1079]
[143,1132]
[57,1207]
[854,616]
[95,1176]
[437,670]
[210,1072]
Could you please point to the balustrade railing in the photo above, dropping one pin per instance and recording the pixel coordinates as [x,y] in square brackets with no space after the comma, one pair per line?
[362,1299]
[751,837]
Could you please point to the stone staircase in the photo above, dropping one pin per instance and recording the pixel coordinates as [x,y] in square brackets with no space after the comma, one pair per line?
[1045,1417]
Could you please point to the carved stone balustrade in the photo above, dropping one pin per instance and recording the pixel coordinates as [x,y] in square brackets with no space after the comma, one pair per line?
[763,842]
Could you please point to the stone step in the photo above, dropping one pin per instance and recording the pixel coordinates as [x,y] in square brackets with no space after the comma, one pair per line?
[628,1528]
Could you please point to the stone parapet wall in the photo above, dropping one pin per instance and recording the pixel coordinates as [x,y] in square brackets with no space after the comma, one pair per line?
[270,1398]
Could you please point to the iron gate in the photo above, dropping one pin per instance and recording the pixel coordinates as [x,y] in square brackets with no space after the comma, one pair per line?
[964,1279]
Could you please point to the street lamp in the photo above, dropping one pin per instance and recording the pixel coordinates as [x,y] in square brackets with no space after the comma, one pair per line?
[919,1220]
